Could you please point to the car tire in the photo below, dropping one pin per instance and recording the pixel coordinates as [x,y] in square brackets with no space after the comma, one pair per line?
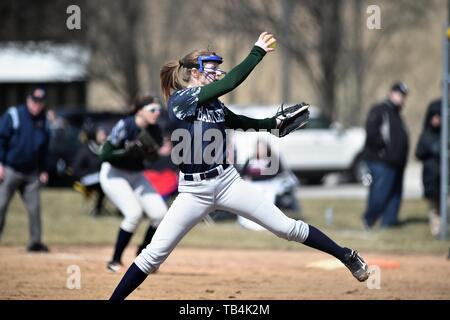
[358,170]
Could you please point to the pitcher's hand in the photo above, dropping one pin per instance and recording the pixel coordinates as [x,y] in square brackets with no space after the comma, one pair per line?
[266,41]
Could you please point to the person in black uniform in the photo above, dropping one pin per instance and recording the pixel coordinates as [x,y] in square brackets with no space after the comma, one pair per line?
[386,154]
[122,178]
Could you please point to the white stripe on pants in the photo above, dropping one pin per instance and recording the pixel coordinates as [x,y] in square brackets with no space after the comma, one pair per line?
[227,191]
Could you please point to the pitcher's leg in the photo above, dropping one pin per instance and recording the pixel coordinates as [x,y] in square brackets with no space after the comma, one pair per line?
[241,198]
[184,213]
[269,194]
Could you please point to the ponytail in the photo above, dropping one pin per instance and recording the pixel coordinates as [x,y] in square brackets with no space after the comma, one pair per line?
[170,78]
[175,75]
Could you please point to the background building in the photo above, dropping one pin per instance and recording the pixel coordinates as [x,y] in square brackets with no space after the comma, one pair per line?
[60,69]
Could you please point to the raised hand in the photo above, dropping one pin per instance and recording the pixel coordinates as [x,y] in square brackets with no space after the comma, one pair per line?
[266,41]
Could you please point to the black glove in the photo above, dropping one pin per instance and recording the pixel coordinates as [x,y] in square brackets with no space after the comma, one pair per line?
[292,118]
[144,146]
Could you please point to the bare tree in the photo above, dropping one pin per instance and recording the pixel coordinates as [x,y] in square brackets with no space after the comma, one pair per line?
[365,45]
[330,45]
[308,31]
[113,34]
[131,39]
[166,29]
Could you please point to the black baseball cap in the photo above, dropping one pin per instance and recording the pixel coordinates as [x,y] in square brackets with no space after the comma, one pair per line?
[400,87]
[38,95]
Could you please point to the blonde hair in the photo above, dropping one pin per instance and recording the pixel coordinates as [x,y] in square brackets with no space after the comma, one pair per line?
[174,75]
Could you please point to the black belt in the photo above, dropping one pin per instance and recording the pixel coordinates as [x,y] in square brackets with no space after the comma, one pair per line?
[205,175]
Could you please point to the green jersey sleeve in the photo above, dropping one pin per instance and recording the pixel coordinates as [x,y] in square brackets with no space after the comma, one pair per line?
[234,78]
[235,121]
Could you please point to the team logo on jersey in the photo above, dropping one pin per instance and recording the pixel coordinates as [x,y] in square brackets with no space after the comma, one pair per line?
[210,115]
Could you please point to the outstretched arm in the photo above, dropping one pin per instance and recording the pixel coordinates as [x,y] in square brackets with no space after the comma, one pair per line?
[239,73]
[235,121]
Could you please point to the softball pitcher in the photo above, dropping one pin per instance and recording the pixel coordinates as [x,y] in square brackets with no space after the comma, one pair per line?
[132,140]
[192,87]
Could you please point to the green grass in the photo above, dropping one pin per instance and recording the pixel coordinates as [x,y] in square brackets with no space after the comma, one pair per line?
[66,222]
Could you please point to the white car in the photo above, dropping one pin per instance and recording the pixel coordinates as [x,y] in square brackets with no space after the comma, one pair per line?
[320,148]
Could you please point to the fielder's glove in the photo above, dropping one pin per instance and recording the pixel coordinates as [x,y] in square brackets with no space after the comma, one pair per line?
[292,118]
[144,146]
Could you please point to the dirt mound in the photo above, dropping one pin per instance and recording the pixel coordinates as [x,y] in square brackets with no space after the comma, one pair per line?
[220,274]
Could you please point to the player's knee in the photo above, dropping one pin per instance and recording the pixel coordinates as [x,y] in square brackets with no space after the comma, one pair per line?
[298,231]
[131,221]
[148,260]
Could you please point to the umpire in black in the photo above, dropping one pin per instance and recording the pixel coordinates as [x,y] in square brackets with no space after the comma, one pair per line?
[24,138]
[386,154]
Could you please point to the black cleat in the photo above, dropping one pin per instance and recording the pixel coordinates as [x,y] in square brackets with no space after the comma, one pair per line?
[37,247]
[357,266]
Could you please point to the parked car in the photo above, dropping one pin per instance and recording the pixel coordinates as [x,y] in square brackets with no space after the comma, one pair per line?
[320,148]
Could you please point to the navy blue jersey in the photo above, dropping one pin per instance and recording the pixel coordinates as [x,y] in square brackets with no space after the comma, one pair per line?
[204,124]
[24,140]
[126,131]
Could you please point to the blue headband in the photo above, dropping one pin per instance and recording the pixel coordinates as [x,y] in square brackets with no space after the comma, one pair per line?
[208,58]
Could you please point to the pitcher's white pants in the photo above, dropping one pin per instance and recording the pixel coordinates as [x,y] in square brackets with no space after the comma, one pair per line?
[266,188]
[228,191]
[132,193]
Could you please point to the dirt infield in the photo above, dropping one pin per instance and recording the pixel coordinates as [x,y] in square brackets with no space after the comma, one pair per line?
[220,274]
